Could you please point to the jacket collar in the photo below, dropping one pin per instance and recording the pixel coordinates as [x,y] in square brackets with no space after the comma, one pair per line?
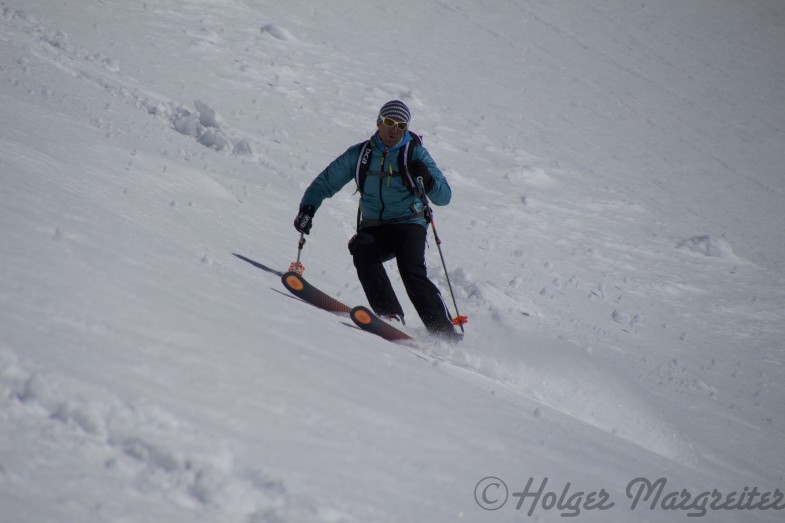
[376,141]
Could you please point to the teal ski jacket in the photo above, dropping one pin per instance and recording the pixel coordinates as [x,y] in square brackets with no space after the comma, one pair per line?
[384,198]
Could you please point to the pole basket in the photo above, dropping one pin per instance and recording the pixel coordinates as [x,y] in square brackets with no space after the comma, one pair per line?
[460,320]
[297,267]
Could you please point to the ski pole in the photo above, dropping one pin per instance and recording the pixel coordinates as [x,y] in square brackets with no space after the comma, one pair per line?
[458,320]
[298,267]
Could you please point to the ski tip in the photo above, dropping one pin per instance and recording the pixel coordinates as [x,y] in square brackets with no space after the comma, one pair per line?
[362,315]
[292,281]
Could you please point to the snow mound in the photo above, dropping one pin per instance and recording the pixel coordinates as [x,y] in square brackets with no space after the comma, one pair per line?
[278,32]
[709,246]
[204,124]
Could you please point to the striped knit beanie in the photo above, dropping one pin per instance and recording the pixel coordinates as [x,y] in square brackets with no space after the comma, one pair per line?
[396,110]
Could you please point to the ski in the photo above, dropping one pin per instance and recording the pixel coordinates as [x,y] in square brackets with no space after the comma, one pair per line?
[368,321]
[298,286]
[361,316]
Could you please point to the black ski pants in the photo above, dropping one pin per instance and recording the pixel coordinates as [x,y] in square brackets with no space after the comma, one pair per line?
[406,243]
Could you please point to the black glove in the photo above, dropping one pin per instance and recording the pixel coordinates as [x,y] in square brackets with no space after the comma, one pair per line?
[418,169]
[304,219]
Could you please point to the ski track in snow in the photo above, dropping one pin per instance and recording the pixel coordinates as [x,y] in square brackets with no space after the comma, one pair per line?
[590,302]
[141,445]
[202,122]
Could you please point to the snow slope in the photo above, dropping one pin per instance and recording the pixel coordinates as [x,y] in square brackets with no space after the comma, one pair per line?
[615,237]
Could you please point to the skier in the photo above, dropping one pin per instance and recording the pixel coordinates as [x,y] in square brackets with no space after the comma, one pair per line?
[392,215]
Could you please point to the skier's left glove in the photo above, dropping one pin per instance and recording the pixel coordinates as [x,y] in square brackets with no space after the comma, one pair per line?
[418,169]
[304,219]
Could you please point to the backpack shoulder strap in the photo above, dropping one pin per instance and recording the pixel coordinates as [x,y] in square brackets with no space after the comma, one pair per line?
[405,159]
[363,164]
[361,172]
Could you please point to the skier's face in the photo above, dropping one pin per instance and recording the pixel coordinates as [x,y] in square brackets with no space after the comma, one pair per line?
[391,134]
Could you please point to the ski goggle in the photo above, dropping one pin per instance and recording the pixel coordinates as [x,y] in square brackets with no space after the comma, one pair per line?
[389,122]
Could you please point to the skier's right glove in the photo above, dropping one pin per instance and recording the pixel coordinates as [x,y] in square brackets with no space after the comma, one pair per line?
[304,219]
